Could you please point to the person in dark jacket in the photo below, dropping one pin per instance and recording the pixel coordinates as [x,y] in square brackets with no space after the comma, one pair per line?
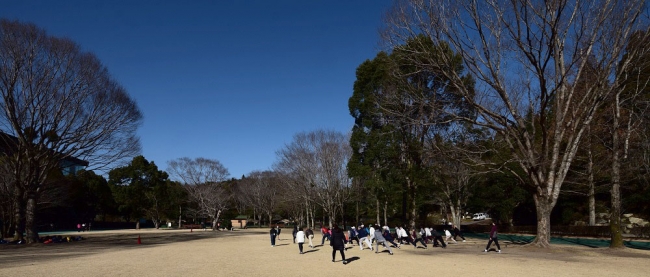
[277,228]
[493,237]
[273,234]
[363,237]
[437,237]
[416,236]
[389,237]
[337,241]
[309,233]
[457,233]
[295,231]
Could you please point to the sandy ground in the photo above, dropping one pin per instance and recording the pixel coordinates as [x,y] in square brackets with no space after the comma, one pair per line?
[249,253]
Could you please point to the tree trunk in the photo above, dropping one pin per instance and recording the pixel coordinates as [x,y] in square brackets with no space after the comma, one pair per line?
[453,215]
[216,220]
[30,220]
[592,194]
[414,209]
[615,215]
[357,214]
[19,217]
[544,208]
[378,212]
[137,224]
[180,216]
[385,215]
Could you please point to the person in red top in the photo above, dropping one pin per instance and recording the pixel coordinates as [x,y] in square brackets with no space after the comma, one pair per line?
[493,237]
[326,234]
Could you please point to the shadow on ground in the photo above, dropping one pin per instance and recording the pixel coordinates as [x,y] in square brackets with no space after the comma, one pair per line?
[586,242]
[17,255]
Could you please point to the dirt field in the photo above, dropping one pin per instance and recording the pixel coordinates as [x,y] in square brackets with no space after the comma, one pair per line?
[249,253]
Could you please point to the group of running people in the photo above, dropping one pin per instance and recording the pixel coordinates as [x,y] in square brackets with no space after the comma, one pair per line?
[380,236]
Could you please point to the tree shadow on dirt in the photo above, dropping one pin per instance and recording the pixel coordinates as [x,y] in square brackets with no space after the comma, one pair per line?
[17,255]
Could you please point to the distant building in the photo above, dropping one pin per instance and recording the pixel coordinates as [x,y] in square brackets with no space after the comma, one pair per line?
[239,222]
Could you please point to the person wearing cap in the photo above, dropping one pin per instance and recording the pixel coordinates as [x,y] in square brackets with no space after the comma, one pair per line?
[493,237]
[337,241]
[379,239]
[363,237]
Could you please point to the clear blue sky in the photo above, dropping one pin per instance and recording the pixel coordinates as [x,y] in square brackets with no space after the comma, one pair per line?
[225,80]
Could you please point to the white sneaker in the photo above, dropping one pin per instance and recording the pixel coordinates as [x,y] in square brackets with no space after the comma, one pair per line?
[485,250]
[499,251]
[463,240]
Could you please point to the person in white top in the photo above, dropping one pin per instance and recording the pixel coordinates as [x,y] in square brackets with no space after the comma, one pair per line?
[405,236]
[300,239]
[427,235]
[372,233]
[448,236]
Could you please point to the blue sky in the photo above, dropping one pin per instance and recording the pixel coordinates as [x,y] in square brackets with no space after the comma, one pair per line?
[227,80]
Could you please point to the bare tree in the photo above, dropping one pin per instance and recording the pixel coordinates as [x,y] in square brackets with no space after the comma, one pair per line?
[315,163]
[57,103]
[204,181]
[262,190]
[526,58]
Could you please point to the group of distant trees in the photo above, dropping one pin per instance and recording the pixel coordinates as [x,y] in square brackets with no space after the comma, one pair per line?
[534,111]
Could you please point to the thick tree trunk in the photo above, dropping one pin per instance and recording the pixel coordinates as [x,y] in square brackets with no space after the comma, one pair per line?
[19,217]
[544,209]
[30,220]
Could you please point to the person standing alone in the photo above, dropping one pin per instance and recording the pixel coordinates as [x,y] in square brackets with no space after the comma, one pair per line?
[273,234]
[493,237]
[337,241]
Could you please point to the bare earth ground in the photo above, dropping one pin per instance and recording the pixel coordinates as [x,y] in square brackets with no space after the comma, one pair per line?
[248,253]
